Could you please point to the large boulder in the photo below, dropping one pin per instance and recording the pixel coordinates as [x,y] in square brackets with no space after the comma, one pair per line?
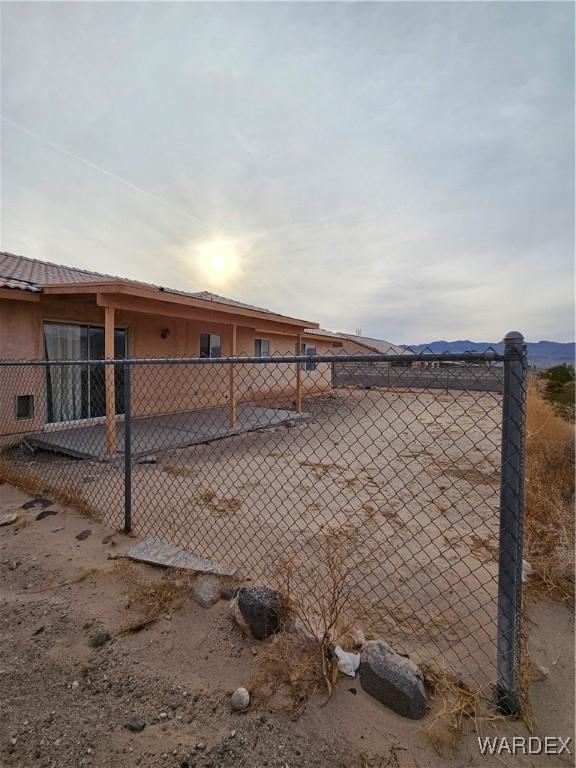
[392,679]
[260,611]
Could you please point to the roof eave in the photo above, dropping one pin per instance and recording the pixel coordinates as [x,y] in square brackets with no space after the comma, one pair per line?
[19,294]
[122,287]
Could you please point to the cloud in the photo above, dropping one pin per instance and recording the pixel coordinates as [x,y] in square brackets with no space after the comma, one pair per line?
[404,168]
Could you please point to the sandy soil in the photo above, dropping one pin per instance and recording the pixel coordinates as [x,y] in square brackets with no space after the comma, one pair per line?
[65,703]
[408,481]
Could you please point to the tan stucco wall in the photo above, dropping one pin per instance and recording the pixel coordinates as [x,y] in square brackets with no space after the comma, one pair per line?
[156,389]
[19,323]
[171,388]
[19,340]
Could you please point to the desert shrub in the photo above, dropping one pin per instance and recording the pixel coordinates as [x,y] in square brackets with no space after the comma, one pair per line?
[301,662]
[559,384]
[150,598]
[549,520]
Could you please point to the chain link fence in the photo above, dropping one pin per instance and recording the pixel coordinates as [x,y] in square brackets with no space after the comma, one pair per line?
[298,470]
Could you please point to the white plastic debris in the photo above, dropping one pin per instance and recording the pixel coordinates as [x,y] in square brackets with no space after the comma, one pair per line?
[348,663]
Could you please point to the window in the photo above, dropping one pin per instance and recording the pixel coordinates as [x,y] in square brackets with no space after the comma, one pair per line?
[210,345]
[262,347]
[24,407]
[309,350]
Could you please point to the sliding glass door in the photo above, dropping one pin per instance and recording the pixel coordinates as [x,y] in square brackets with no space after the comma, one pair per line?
[76,392]
[66,385]
[97,374]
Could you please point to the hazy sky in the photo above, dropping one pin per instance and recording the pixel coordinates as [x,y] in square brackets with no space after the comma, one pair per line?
[404,168]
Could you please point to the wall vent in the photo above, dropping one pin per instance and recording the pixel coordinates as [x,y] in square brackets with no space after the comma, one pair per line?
[24,407]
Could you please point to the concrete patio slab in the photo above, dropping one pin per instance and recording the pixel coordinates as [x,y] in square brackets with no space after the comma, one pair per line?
[154,433]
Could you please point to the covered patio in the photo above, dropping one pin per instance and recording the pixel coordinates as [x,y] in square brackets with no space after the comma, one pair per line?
[141,310]
[154,433]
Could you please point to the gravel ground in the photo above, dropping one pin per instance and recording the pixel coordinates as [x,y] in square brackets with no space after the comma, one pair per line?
[65,703]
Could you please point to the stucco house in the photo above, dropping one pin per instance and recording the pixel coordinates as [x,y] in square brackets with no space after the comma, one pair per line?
[365,345]
[49,312]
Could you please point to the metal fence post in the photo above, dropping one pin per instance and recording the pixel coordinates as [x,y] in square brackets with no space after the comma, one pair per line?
[127,448]
[511,523]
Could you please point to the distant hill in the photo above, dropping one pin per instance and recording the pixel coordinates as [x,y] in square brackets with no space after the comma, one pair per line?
[542,354]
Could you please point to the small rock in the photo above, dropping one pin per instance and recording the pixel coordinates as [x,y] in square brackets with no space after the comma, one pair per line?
[75,685]
[46,513]
[136,724]
[392,679]
[84,534]
[206,590]
[8,519]
[260,611]
[240,699]
[227,593]
[99,639]
[39,631]
[163,715]
[526,570]
[38,502]
[147,460]
[539,673]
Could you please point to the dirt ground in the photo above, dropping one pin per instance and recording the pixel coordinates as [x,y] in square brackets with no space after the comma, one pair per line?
[408,479]
[64,703]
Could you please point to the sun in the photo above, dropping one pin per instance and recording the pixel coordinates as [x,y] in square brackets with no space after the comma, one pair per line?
[218,260]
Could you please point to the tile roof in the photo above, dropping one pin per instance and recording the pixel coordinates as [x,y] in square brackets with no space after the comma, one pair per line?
[322,332]
[43,273]
[32,274]
[23,285]
[378,345]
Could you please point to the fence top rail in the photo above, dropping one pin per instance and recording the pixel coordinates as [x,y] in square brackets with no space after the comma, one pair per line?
[464,357]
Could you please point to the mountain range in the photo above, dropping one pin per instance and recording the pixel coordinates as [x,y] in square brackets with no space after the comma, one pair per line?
[541,354]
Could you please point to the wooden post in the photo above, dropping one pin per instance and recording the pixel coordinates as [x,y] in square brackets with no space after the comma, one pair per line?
[110,383]
[232,392]
[298,375]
